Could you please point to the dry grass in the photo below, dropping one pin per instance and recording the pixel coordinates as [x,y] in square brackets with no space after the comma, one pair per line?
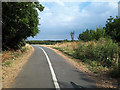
[10,55]
[102,80]
[17,60]
[73,45]
[70,45]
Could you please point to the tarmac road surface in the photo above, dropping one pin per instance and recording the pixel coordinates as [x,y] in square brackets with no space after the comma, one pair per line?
[46,69]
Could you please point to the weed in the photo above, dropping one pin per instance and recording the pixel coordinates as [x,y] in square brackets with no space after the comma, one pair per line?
[24,49]
[7,63]
[12,53]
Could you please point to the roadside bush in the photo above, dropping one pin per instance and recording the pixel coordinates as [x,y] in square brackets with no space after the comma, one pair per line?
[104,51]
[115,72]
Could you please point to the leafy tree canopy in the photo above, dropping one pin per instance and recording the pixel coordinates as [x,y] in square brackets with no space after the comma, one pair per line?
[112,28]
[19,21]
[89,35]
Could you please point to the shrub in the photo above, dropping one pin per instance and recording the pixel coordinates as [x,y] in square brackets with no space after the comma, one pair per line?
[115,72]
[104,51]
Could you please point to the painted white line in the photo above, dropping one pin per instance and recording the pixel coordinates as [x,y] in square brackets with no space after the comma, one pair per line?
[52,71]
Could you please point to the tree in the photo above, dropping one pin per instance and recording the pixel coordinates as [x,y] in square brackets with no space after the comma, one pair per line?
[89,35]
[85,36]
[112,28]
[92,34]
[19,21]
[100,32]
[72,35]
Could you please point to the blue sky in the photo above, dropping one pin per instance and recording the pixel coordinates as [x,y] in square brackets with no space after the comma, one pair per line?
[60,18]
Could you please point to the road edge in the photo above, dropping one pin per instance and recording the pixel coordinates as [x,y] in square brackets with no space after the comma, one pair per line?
[95,77]
[15,70]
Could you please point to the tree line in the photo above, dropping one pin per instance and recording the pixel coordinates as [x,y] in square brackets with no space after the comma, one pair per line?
[111,30]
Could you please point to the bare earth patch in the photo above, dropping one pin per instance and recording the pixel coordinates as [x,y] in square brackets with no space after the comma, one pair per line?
[102,80]
[9,73]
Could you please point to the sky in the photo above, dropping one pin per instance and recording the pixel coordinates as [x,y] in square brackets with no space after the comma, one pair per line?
[60,18]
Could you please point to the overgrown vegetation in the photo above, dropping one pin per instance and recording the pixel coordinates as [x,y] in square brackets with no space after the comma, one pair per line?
[104,50]
[101,55]
[12,63]
[99,48]
[9,56]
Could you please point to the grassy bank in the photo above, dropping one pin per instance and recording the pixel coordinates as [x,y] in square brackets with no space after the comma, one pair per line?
[100,56]
[12,63]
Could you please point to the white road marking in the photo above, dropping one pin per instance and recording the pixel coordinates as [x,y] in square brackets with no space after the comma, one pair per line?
[52,71]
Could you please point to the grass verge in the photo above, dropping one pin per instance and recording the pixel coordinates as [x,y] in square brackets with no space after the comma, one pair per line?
[12,63]
[93,68]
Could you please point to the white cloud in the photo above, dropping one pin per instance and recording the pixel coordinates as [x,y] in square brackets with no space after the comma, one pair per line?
[79,0]
[46,9]
[60,2]
[113,5]
[68,19]
[62,18]
[48,14]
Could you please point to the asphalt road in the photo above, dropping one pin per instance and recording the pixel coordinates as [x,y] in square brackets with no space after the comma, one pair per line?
[37,73]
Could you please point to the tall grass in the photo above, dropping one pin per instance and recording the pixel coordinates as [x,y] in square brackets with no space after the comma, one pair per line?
[103,53]
[9,56]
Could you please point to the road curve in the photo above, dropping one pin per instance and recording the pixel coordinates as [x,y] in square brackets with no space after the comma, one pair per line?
[36,73]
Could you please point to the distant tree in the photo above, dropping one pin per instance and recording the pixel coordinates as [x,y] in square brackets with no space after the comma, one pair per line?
[65,40]
[89,35]
[112,28]
[100,32]
[85,36]
[19,21]
[72,35]
[92,34]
